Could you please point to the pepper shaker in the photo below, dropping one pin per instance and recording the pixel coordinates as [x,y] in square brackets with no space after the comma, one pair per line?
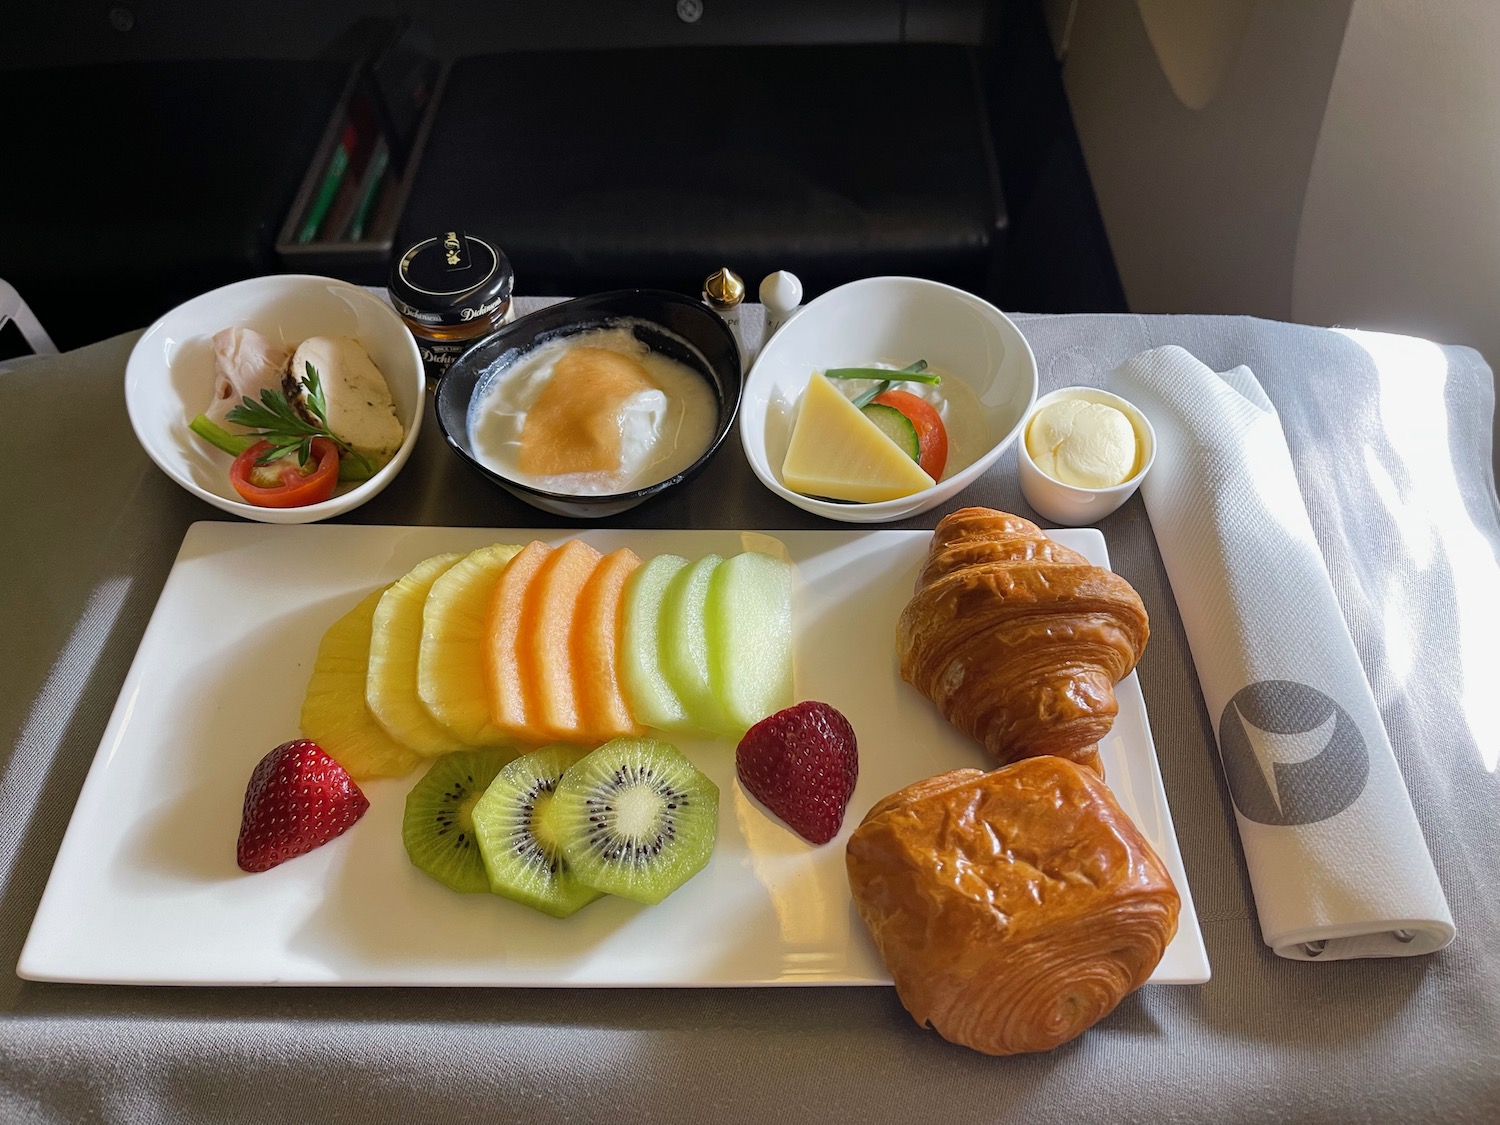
[723,292]
[781,293]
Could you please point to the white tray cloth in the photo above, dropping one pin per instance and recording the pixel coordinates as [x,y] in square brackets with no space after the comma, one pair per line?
[1390,438]
[1335,854]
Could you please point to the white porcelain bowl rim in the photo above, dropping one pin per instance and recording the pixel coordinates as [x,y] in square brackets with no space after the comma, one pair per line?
[752,419]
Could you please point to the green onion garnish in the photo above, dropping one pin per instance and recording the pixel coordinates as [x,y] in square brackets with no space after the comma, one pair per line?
[916,373]
[912,373]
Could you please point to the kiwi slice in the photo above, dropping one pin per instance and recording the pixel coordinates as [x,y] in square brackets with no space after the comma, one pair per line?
[636,818]
[513,824]
[438,828]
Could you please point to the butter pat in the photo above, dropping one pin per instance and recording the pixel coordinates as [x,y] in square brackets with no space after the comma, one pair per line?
[839,453]
[1083,444]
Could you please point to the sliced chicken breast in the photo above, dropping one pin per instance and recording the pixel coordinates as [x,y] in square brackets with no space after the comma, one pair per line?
[245,363]
[360,410]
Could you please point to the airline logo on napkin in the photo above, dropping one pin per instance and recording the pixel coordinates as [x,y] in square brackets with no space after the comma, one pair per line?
[1291,754]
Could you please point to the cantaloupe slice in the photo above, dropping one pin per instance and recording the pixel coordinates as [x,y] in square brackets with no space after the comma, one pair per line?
[748,621]
[598,626]
[546,641]
[653,700]
[684,645]
[334,714]
[451,679]
[510,706]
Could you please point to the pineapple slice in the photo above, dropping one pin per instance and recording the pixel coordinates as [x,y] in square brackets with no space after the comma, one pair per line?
[395,644]
[334,714]
[451,681]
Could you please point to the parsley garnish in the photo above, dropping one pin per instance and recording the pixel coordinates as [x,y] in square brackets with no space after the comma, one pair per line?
[288,429]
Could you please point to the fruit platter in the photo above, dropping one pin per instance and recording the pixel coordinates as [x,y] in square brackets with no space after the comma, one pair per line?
[224,669]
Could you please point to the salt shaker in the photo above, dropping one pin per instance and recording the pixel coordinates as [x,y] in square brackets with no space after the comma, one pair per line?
[781,293]
[723,292]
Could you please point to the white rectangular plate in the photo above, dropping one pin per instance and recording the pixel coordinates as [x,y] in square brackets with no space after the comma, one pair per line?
[146,890]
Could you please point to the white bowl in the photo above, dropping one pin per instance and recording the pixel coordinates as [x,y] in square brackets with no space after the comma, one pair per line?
[169,379]
[1071,505]
[983,359]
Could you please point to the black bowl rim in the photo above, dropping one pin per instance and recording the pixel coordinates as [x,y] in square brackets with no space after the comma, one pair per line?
[638,494]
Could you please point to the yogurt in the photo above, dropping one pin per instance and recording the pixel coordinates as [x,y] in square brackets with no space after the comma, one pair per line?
[663,429]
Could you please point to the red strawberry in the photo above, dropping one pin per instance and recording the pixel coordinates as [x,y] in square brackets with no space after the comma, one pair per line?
[802,764]
[298,799]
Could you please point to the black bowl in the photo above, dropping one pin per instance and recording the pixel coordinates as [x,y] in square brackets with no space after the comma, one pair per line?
[714,354]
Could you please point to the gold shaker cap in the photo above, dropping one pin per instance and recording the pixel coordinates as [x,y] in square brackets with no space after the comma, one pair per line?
[724,289]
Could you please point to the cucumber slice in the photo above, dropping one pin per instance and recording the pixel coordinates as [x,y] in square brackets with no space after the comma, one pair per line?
[896,426]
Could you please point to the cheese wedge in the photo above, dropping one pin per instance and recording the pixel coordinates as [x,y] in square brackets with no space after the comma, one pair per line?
[839,453]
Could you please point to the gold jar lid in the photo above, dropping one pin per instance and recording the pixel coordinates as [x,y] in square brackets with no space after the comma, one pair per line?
[724,289]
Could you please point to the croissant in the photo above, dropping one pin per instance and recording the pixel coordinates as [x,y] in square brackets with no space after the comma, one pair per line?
[1018,639]
[1013,909]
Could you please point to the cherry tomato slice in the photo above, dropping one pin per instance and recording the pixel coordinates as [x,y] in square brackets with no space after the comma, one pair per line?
[932,435]
[296,488]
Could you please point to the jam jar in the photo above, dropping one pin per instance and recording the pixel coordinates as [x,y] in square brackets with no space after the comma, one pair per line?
[451,290]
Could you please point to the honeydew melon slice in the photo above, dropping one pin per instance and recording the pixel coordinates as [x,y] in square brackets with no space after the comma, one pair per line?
[652,698]
[684,645]
[748,622]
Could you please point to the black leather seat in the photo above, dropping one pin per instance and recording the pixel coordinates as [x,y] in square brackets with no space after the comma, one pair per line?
[604,169]
[132,187]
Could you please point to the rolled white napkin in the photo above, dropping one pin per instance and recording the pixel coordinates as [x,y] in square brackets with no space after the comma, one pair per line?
[1336,858]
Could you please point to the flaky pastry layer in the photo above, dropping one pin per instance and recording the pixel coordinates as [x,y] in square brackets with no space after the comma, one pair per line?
[1019,640]
[1013,909]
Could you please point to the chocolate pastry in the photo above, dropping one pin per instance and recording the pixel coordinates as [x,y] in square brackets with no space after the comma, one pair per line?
[1013,909]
